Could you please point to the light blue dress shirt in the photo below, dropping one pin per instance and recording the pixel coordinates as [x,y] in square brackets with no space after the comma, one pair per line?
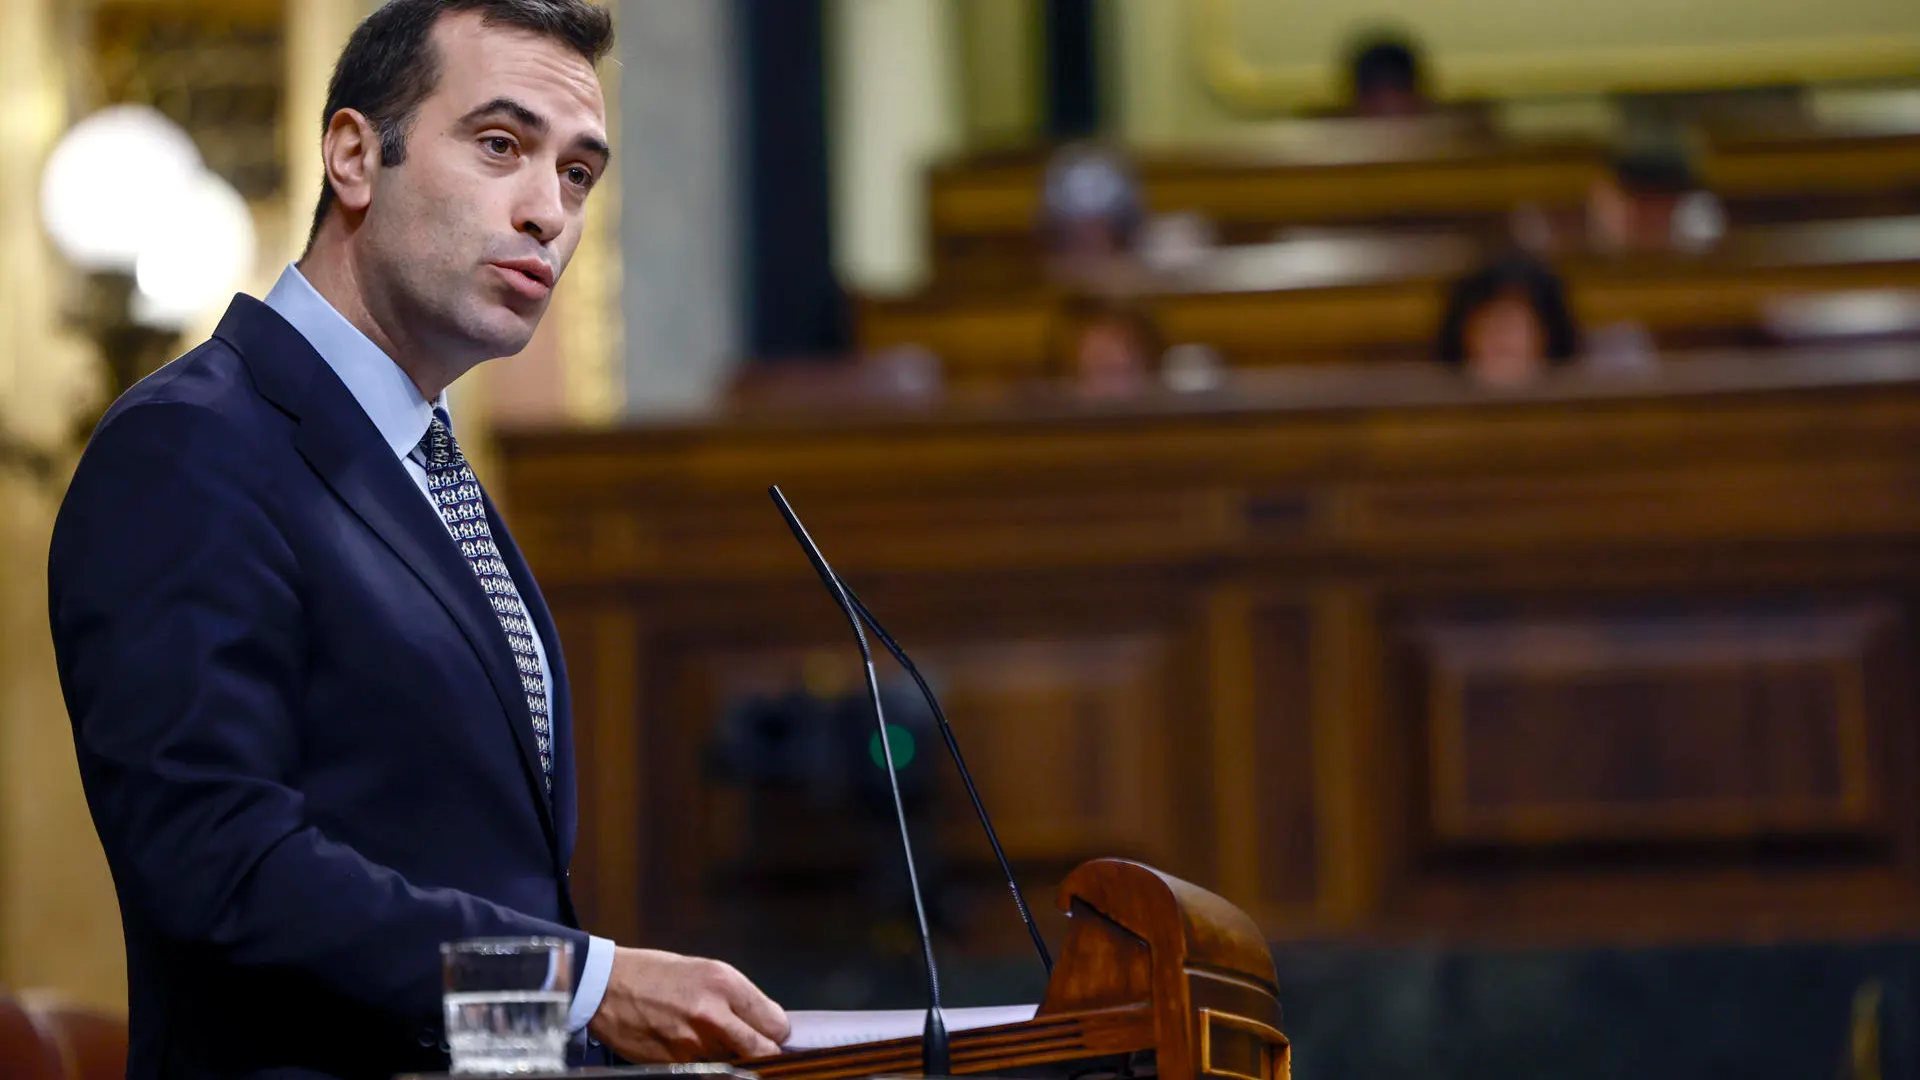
[402,416]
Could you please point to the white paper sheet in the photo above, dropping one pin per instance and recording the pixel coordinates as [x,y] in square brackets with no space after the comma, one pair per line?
[820,1029]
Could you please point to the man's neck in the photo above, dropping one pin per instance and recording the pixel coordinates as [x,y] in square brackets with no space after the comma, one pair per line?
[334,278]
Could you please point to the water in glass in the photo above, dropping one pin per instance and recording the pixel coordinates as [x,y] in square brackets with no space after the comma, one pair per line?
[506,1002]
[507,1031]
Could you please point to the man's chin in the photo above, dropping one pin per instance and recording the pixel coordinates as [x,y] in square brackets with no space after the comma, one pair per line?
[505,332]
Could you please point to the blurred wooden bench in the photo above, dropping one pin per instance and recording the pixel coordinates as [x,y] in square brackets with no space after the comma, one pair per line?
[983,211]
[1339,300]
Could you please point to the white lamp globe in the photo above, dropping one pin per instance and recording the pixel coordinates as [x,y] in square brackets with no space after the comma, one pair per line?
[113,178]
[196,257]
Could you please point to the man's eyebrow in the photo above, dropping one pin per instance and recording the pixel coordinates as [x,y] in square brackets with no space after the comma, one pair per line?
[594,145]
[529,119]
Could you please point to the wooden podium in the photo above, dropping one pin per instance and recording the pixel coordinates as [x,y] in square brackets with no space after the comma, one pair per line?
[1157,976]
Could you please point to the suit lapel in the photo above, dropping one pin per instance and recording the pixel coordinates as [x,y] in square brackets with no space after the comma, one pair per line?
[341,444]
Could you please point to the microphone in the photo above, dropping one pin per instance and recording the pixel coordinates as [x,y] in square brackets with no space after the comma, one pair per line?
[960,762]
[935,1060]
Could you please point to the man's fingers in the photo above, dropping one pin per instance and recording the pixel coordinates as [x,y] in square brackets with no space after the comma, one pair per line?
[758,1010]
[744,1041]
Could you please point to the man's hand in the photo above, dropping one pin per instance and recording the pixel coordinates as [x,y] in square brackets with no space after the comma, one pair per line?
[662,1006]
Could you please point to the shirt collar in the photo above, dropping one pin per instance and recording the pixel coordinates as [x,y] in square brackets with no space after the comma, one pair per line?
[383,390]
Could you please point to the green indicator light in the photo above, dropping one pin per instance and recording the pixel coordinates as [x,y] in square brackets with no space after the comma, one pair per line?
[903,747]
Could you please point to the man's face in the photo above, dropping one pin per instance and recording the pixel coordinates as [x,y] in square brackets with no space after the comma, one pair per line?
[468,236]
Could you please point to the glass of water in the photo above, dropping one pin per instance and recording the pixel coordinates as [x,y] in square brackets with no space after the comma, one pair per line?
[506,1004]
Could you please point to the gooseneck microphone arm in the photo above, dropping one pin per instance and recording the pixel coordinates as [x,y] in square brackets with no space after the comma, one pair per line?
[935,1059]
[960,762]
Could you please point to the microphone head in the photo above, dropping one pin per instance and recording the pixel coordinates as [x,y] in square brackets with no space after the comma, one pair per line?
[819,561]
[827,577]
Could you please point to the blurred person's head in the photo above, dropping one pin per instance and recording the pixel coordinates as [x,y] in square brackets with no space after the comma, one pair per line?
[1385,78]
[1507,323]
[460,140]
[1089,205]
[1111,349]
[1642,201]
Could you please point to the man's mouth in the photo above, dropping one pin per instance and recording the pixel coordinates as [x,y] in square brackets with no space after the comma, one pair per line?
[530,278]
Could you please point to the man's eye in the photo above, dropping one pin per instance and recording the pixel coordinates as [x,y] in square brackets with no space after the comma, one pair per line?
[499,144]
[580,176]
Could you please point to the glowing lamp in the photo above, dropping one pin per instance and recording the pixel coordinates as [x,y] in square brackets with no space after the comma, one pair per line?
[111,181]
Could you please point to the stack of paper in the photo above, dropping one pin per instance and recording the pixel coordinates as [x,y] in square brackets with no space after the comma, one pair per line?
[821,1028]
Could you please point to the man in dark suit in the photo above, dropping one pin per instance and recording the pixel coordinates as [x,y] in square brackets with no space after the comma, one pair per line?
[320,709]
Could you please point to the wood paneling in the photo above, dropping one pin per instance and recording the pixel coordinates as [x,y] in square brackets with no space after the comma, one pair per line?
[603,658]
[1670,727]
[1070,738]
[1378,656]
[1281,750]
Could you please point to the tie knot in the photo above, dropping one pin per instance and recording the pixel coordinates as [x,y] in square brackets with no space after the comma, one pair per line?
[437,449]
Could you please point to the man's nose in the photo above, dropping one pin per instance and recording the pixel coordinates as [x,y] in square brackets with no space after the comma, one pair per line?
[541,212]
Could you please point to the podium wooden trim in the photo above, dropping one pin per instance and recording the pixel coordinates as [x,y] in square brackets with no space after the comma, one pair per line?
[1152,964]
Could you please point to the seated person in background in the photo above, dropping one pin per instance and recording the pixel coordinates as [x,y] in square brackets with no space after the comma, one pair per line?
[1506,324]
[1385,76]
[1089,210]
[1652,200]
[1111,349]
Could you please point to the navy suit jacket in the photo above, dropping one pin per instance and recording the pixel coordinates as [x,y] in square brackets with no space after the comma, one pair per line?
[299,725]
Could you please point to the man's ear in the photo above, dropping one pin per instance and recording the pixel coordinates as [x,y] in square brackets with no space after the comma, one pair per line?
[350,150]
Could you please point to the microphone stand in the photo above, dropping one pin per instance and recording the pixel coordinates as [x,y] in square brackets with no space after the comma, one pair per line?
[935,1056]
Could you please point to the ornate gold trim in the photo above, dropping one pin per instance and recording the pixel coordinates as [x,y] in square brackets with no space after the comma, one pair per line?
[1267,1034]
[1241,84]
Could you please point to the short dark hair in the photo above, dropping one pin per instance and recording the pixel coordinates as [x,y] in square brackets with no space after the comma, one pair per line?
[1516,275]
[390,65]
[1383,62]
[1655,170]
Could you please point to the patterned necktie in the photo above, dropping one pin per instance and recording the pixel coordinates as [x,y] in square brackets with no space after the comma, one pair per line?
[457,493]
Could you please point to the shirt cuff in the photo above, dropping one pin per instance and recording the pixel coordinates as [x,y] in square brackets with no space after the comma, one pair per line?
[593,983]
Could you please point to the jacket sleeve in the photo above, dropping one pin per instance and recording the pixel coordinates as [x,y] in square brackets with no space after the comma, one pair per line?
[177,620]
